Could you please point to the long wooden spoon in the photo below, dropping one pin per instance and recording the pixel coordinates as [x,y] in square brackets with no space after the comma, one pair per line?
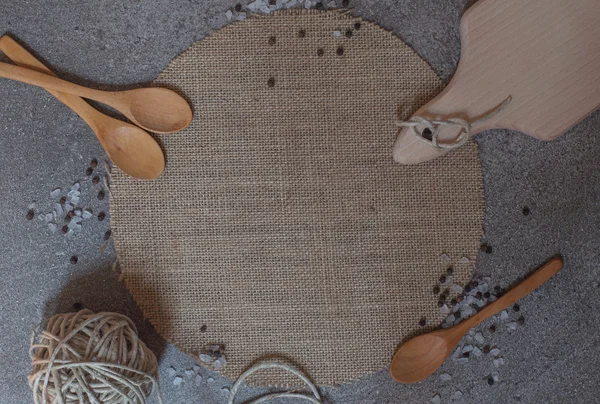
[155,109]
[420,357]
[132,149]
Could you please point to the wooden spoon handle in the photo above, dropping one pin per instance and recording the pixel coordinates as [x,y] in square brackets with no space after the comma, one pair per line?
[518,292]
[23,58]
[48,82]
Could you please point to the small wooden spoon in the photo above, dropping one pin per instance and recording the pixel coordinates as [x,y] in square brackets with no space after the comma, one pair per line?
[155,109]
[420,357]
[132,149]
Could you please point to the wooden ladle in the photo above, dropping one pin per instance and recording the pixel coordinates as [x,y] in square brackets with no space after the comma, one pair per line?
[155,109]
[421,356]
[132,149]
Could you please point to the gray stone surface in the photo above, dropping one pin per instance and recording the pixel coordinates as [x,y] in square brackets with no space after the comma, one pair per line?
[553,358]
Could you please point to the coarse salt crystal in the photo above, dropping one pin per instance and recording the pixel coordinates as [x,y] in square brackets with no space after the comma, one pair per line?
[210,380]
[52,227]
[177,381]
[444,309]
[457,395]
[75,200]
[476,351]
[55,193]
[228,14]
[445,257]
[444,377]
[467,348]
[463,260]
[198,380]
[498,362]
[436,399]
[512,325]
[86,214]
[503,315]
[49,217]
[337,34]
[75,187]
[495,352]
[206,358]
[461,360]
[479,338]
[456,288]
[495,376]
[196,368]
[225,391]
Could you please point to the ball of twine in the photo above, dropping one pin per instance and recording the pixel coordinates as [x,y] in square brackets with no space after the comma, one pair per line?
[85,357]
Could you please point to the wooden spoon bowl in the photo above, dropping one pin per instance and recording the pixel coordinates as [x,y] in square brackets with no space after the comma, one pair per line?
[158,109]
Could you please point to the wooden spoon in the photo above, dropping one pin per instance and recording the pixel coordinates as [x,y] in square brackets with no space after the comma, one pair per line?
[129,147]
[420,357]
[155,109]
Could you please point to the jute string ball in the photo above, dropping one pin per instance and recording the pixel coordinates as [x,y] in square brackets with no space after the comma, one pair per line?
[86,357]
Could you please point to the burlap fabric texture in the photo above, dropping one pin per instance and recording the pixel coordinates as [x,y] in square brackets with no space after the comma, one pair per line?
[282,223]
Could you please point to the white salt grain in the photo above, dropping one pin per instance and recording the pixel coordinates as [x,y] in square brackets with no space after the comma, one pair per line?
[436,399]
[445,309]
[444,257]
[58,209]
[512,325]
[467,348]
[451,318]
[479,338]
[457,395]
[171,371]
[487,279]
[196,368]
[210,380]
[337,34]
[31,205]
[461,360]
[77,212]
[198,380]
[189,372]
[470,299]
[476,351]
[456,288]
[498,362]
[213,348]
[55,193]
[480,302]
[42,217]
[495,352]
[177,381]
[495,376]
[463,260]
[492,298]
[241,16]
[74,200]
[68,207]
[449,280]
[70,233]
[86,214]
[75,187]
[229,14]
[49,217]
[332,4]
[52,227]
[206,358]
[444,377]
[483,287]
[291,3]
[503,315]
[225,391]
[265,9]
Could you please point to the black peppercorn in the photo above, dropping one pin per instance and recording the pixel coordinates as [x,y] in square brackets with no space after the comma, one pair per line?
[490,381]
[467,288]
[487,295]
[63,200]
[423,322]
[302,33]
[340,51]
[440,303]
[449,271]
[30,214]
[486,349]
[345,3]
[101,216]
[272,40]
[107,235]
[77,306]
[74,259]
[320,52]
[479,295]
[466,354]
[521,320]
[238,7]
[271,82]
[459,299]
[436,290]
[453,302]
[319,5]
[203,328]
[526,210]
[101,195]
[65,229]
[89,171]
[516,307]
[96,180]
[348,33]
[94,163]
[492,329]
[475,284]
[443,279]
[357,25]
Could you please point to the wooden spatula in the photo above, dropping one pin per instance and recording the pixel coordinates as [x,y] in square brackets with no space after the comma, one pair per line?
[544,54]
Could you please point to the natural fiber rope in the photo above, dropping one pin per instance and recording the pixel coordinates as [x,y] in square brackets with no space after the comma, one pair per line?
[269,365]
[434,126]
[91,358]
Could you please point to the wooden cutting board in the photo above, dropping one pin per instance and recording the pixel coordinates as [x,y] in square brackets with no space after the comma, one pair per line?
[543,53]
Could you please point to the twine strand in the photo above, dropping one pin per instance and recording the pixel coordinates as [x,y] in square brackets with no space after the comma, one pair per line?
[434,125]
[314,399]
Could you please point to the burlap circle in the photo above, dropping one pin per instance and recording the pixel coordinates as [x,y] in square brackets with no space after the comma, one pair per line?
[281,222]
